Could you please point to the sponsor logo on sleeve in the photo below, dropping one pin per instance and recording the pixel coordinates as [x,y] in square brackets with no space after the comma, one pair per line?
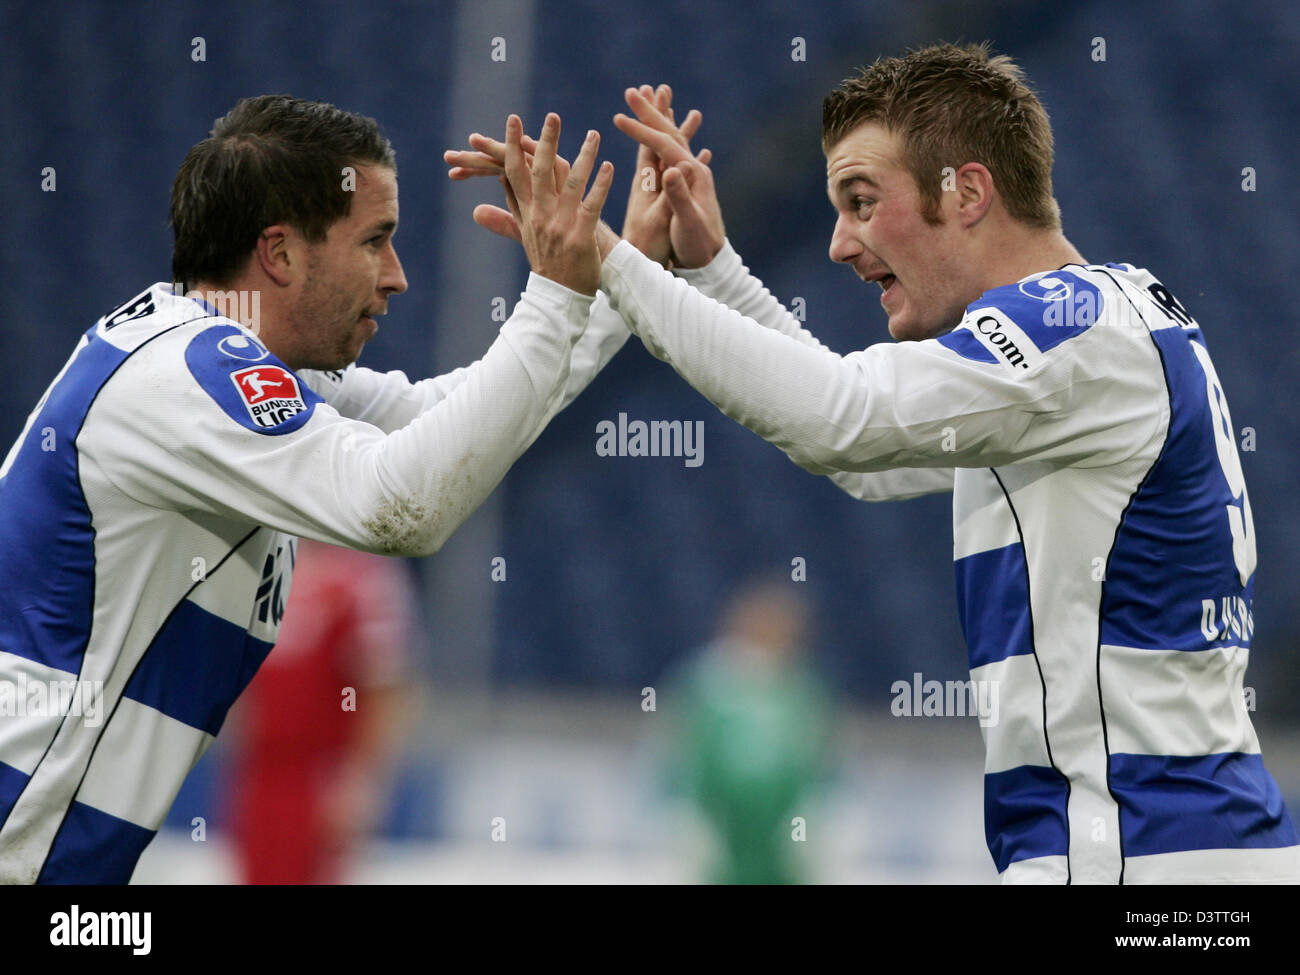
[1046,287]
[243,347]
[1005,339]
[270,394]
[252,386]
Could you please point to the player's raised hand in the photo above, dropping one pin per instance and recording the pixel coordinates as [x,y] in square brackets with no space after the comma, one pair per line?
[557,224]
[487,157]
[696,230]
[646,225]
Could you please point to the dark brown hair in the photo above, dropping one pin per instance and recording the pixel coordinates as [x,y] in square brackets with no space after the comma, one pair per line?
[272,159]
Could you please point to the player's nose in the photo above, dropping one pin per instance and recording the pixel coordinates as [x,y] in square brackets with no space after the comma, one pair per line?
[392,280]
[845,246]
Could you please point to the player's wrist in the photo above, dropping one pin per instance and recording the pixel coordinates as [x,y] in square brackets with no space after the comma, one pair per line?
[606,239]
[722,261]
[549,289]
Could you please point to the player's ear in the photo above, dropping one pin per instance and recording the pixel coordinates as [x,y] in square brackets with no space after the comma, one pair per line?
[277,255]
[974,185]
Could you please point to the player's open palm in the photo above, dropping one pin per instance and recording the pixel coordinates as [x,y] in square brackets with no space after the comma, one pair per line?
[556,222]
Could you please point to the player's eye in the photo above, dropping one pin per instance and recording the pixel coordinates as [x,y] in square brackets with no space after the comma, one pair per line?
[377,241]
[862,205]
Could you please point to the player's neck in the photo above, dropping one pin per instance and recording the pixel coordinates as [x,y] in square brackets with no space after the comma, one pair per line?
[235,300]
[1028,251]
[249,303]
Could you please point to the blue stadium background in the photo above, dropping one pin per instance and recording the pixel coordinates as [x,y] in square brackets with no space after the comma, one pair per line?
[616,566]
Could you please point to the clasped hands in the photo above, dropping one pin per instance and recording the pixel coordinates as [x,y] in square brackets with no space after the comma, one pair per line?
[673,215]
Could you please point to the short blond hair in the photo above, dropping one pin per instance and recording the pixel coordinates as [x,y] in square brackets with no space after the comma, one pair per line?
[953,105]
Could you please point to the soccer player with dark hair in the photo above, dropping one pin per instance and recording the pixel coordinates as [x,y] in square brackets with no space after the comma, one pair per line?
[1103,542]
[149,507]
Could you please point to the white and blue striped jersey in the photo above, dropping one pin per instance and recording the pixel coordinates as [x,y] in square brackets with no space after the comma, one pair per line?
[148,514]
[1103,543]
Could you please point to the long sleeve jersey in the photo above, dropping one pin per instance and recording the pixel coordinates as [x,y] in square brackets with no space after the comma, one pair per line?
[1103,543]
[148,517]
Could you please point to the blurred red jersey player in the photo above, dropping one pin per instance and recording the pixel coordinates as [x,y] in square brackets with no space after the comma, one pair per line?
[320,726]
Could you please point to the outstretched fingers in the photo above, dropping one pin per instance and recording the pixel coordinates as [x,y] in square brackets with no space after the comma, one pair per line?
[691,124]
[543,165]
[654,127]
[663,145]
[498,221]
[589,211]
[571,192]
[645,156]
[645,105]
[485,157]
[679,194]
[519,179]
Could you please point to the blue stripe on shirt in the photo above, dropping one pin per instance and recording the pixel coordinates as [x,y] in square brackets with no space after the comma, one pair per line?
[993,602]
[196,666]
[965,344]
[1174,546]
[1206,802]
[47,577]
[94,847]
[12,783]
[1024,814]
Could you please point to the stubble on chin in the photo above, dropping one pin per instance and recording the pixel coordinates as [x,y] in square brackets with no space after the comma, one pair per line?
[322,340]
[338,354]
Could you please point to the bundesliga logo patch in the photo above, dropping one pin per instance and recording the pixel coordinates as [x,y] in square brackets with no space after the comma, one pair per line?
[269,393]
